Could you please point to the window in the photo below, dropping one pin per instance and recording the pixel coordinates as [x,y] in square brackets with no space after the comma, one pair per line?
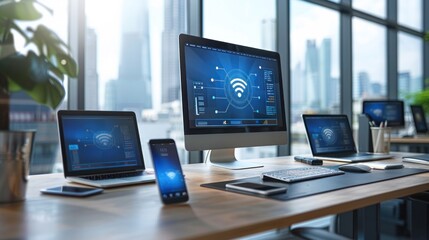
[410,71]
[314,66]
[410,13]
[369,62]
[245,22]
[132,63]
[377,8]
[250,23]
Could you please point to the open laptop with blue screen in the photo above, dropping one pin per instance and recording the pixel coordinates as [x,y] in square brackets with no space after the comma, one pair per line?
[330,138]
[101,148]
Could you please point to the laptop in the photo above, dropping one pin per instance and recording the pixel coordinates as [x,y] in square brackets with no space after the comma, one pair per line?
[101,148]
[330,138]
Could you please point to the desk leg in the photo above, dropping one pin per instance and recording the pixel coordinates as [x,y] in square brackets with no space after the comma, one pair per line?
[362,223]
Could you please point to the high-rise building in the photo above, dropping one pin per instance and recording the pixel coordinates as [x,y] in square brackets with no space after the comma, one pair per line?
[361,87]
[404,83]
[91,74]
[133,88]
[174,24]
[326,84]
[298,89]
[311,75]
[268,34]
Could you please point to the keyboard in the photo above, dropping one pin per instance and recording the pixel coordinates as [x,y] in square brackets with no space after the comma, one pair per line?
[101,177]
[300,174]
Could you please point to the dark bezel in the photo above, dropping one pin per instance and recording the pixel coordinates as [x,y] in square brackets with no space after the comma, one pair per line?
[313,148]
[67,172]
[183,40]
[400,123]
[174,199]
[414,109]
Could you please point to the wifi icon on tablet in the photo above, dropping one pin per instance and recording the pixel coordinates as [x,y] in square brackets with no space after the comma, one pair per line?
[329,135]
[239,86]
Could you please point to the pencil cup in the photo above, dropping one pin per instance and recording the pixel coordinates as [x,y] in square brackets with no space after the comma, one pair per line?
[381,139]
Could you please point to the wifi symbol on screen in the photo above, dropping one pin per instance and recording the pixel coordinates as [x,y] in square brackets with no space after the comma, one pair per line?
[239,86]
[104,140]
[171,175]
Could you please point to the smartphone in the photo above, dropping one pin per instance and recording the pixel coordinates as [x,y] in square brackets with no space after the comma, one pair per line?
[72,191]
[257,188]
[168,171]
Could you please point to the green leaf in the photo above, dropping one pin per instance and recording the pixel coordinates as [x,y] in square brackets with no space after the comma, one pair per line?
[37,68]
[50,93]
[55,50]
[15,67]
[19,10]
[7,47]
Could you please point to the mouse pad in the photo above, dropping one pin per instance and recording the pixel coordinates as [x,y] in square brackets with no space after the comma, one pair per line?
[321,185]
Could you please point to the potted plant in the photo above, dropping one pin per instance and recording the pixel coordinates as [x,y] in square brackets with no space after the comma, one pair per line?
[38,69]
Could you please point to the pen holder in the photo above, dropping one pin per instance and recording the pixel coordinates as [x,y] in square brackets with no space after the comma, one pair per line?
[381,139]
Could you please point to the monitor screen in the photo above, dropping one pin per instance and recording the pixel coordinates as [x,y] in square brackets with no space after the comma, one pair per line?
[385,111]
[419,119]
[232,96]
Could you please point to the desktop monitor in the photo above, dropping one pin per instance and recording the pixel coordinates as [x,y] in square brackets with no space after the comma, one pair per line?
[419,119]
[232,96]
[385,111]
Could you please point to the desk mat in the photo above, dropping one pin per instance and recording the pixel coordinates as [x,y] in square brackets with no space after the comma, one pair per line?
[321,185]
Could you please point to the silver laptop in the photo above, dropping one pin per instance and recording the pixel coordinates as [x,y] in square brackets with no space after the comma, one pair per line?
[330,138]
[101,148]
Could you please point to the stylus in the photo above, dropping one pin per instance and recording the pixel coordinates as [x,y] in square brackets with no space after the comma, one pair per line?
[308,160]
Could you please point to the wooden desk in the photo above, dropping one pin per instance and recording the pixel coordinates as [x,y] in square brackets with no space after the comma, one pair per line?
[136,212]
[411,144]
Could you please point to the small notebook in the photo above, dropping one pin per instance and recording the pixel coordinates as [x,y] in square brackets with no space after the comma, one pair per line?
[422,159]
[102,148]
[331,138]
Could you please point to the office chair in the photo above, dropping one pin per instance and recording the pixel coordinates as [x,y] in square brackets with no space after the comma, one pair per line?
[419,215]
[311,233]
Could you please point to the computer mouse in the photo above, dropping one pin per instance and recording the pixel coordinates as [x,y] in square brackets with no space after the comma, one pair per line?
[357,168]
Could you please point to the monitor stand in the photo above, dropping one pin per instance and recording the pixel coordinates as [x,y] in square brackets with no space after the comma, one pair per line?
[225,158]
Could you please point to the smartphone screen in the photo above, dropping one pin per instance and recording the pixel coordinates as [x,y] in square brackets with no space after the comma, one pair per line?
[168,171]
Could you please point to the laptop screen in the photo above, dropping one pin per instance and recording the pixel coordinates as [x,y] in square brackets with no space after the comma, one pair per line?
[99,142]
[329,134]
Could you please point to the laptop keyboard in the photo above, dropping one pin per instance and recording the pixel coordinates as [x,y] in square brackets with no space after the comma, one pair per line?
[300,174]
[113,176]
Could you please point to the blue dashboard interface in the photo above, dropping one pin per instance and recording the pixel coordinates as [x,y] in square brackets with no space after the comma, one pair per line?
[231,89]
[390,112]
[101,142]
[330,134]
[168,171]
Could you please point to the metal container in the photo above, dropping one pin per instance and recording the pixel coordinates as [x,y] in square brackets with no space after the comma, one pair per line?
[15,153]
